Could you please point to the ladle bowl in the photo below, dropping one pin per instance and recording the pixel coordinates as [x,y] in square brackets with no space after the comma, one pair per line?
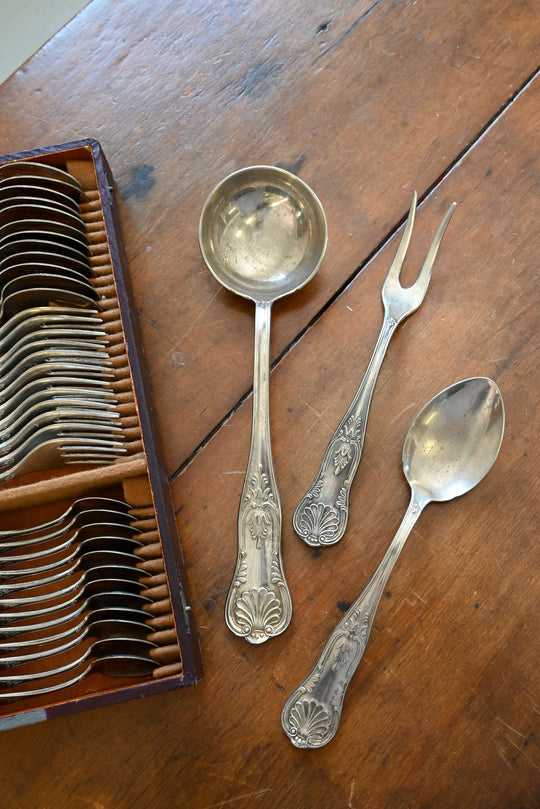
[262,233]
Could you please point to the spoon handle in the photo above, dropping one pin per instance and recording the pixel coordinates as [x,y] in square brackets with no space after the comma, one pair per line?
[311,714]
[321,515]
[259,603]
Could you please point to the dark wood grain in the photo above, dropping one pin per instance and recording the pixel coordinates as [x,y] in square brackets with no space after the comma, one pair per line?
[366,102]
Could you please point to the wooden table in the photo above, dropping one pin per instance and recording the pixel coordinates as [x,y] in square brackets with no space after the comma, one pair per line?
[366,101]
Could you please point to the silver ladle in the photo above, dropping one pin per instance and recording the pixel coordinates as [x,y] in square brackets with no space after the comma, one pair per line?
[263,235]
[450,446]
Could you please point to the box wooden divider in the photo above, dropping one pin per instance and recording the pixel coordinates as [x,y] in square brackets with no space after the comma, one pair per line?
[139,476]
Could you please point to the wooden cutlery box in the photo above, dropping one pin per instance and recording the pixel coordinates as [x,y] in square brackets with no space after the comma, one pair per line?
[137,476]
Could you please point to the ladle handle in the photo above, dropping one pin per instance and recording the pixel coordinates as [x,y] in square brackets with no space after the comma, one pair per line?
[311,714]
[321,515]
[259,603]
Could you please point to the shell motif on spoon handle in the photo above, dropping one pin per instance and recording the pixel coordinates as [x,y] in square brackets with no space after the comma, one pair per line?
[311,714]
[259,603]
[320,517]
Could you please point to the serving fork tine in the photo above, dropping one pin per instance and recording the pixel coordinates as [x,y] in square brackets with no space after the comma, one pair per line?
[321,515]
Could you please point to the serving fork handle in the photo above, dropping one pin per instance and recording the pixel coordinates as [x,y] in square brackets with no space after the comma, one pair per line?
[321,515]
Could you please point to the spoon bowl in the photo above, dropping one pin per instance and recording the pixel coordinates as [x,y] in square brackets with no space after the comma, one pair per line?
[454,440]
[263,235]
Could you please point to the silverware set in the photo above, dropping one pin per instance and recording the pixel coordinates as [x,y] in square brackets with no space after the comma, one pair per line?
[89,608]
[57,404]
[262,234]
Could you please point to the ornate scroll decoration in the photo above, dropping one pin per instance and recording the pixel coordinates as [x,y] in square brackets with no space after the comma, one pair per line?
[321,515]
[311,715]
[260,507]
[346,444]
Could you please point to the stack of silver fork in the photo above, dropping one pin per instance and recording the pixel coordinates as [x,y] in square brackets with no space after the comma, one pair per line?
[56,402]
[82,605]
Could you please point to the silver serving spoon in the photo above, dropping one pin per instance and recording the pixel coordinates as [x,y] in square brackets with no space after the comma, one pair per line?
[263,235]
[450,446]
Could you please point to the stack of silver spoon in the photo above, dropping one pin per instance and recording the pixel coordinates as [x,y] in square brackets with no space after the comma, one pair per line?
[81,605]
